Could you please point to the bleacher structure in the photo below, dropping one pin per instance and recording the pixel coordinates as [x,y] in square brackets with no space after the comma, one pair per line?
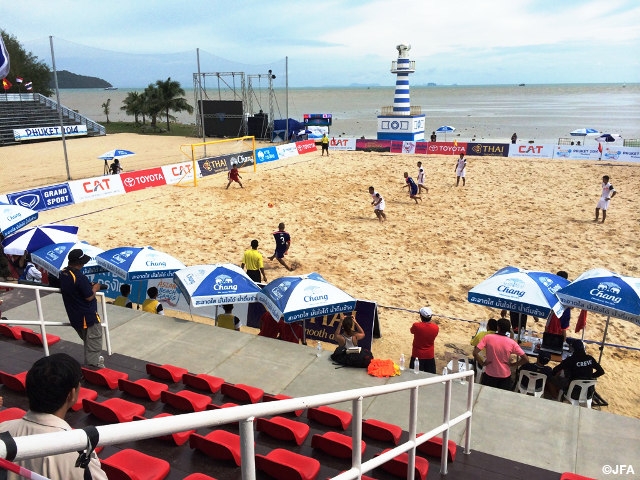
[34,110]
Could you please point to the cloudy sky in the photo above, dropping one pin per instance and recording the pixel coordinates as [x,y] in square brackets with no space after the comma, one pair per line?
[131,43]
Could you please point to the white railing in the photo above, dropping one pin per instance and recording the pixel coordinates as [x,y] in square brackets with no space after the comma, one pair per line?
[71,114]
[104,320]
[388,110]
[76,440]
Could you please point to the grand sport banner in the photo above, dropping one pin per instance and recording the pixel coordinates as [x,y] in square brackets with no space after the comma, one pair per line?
[38,133]
[44,198]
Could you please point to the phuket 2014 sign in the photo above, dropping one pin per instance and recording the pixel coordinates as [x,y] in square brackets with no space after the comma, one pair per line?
[48,132]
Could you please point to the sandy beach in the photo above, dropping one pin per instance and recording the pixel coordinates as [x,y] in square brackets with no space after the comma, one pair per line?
[534,214]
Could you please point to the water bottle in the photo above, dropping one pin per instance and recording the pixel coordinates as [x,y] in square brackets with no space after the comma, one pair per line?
[318,349]
[402,361]
[416,365]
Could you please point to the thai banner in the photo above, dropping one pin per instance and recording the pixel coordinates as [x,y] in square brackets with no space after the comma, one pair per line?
[268,154]
[97,187]
[141,179]
[287,150]
[446,148]
[530,150]
[44,198]
[178,172]
[487,149]
[342,143]
[573,152]
[306,146]
[38,133]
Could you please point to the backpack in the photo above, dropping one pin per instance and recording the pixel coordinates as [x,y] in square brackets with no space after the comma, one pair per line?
[361,359]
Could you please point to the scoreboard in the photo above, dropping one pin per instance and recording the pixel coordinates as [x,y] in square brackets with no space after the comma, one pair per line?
[318,119]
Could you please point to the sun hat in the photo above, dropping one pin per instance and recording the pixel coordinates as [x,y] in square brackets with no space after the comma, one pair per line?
[77,257]
[425,312]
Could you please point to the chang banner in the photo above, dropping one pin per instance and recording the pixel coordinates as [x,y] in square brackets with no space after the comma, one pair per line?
[38,133]
[44,198]
[212,165]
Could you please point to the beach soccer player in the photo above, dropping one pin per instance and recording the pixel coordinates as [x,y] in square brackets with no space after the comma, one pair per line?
[608,192]
[324,142]
[413,187]
[421,180]
[283,242]
[234,176]
[378,204]
[461,169]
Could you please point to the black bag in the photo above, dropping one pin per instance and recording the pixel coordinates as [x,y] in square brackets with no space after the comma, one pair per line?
[360,359]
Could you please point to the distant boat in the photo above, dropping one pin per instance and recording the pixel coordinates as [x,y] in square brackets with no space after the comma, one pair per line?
[521,85]
[110,88]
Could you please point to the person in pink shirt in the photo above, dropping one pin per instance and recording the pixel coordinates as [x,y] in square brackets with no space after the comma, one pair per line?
[498,349]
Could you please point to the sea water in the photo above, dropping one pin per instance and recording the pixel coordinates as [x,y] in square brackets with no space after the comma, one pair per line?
[540,113]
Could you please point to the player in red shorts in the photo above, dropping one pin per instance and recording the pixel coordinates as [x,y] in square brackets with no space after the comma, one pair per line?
[234,176]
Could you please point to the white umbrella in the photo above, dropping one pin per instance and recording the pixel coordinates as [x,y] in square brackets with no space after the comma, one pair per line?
[31,239]
[14,217]
[583,132]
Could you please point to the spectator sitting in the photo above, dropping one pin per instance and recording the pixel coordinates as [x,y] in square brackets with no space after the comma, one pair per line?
[578,366]
[348,332]
[123,299]
[228,319]
[30,272]
[52,385]
[540,366]
[151,304]
[115,167]
[492,327]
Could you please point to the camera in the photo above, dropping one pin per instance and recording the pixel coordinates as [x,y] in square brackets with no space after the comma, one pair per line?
[104,287]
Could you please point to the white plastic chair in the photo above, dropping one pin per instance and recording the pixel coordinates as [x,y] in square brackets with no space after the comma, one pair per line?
[531,388]
[585,397]
[453,360]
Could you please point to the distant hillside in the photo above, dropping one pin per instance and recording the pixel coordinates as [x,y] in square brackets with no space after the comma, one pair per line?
[71,80]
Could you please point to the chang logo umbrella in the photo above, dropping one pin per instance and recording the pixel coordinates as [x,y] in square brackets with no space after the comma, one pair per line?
[138,263]
[53,258]
[302,297]
[446,129]
[217,284]
[14,217]
[604,292]
[31,239]
[523,291]
[115,154]
[583,132]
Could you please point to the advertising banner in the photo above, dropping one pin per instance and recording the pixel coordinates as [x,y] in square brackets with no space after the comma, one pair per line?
[400,146]
[621,154]
[178,172]
[287,150]
[268,154]
[488,149]
[38,133]
[44,198]
[97,187]
[212,165]
[342,144]
[530,150]
[446,148]
[368,145]
[572,152]
[306,146]
[141,179]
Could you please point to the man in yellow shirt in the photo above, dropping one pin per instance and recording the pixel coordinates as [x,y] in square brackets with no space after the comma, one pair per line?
[151,304]
[254,262]
[228,319]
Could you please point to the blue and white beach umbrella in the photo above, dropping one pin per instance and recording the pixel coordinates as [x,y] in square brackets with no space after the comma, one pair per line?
[138,263]
[14,217]
[31,239]
[523,291]
[583,132]
[53,258]
[446,129]
[218,284]
[604,292]
[301,297]
[116,153]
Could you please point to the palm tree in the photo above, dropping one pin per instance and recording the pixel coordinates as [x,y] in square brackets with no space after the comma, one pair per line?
[133,105]
[152,103]
[171,99]
[106,108]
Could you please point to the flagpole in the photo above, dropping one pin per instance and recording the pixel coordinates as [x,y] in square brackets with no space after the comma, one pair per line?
[55,78]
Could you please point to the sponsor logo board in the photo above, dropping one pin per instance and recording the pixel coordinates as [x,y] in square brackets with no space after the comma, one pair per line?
[142,179]
[38,133]
[45,198]
[97,187]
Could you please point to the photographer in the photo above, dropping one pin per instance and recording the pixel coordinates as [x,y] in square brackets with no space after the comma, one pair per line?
[79,297]
[348,332]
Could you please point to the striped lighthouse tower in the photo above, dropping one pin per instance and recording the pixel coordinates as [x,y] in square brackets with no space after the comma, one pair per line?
[402,68]
[401,122]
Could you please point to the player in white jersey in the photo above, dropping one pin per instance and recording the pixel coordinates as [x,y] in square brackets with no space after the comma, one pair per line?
[608,192]
[420,179]
[378,204]
[461,169]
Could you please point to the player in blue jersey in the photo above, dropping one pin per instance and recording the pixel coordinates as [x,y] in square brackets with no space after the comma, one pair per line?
[413,187]
[283,241]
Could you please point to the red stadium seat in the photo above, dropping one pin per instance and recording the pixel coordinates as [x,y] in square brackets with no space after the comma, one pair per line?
[331,417]
[142,388]
[36,338]
[274,398]
[84,393]
[202,381]
[166,372]
[105,377]
[14,382]
[129,464]
[385,432]
[574,476]
[242,393]
[113,410]
[335,444]
[283,429]
[198,476]
[14,331]
[433,448]
[219,444]
[12,413]
[282,464]
[398,466]
[185,400]
[178,438]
